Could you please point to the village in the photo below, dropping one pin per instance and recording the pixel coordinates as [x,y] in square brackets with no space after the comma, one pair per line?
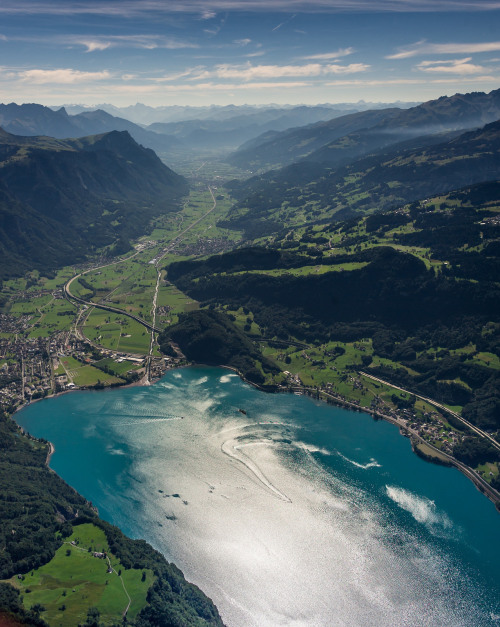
[425,426]
[33,368]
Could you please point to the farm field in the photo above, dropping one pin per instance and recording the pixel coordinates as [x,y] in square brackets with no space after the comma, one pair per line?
[84,374]
[117,332]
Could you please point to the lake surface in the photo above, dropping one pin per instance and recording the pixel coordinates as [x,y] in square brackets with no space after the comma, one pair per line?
[295,513]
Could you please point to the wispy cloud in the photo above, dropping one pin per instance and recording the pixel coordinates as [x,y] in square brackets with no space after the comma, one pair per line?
[258,53]
[93,43]
[342,52]
[281,24]
[453,66]
[423,48]
[60,76]
[175,76]
[249,72]
[457,81]
[210,86]
[145,42]
[242,42]
[207,9]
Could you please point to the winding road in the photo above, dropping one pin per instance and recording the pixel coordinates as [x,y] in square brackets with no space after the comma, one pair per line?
[151,327]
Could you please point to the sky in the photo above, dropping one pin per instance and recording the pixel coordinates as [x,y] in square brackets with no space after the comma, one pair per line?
[202,52]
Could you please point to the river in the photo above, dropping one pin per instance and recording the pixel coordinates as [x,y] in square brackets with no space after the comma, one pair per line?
[290,512]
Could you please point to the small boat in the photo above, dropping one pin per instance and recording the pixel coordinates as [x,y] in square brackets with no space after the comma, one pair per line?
[242,411]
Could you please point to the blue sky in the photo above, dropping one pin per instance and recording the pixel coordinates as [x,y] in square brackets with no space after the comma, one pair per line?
[196,52]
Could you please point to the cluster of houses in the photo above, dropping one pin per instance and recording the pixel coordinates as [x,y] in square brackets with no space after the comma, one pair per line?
[25,371]
[206,246]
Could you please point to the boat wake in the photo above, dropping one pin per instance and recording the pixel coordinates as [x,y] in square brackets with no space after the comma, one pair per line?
[233,448]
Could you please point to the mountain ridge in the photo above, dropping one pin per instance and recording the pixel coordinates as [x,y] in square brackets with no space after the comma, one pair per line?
[349,137]
[60,199]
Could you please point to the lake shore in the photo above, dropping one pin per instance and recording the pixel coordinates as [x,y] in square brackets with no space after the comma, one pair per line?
[415,438]
[328,398]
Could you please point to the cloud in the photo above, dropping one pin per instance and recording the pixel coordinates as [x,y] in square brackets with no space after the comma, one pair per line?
[145,42]
[242,42]
[207,9]
[453,66]
[204,87]
[216,29]
[168,78]
[93,45]
[249,72]
[283,23]
[342,52]
[423,47]
[411,81]
[61,76]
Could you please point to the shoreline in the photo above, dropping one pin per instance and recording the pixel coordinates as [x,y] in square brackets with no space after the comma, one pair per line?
[415,439]
[52,450]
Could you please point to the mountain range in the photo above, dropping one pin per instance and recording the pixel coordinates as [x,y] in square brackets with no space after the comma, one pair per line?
[215,129]
[345,138]
[145,115]
[35,119]
[380,167]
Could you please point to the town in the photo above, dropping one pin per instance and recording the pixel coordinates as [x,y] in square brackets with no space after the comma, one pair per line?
[33,368]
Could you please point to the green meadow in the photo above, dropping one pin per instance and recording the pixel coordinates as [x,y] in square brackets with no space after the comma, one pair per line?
[74,581]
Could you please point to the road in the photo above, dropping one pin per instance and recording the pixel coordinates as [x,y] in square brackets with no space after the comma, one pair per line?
[151,327]
[168,249]
[71,297]
[439,406]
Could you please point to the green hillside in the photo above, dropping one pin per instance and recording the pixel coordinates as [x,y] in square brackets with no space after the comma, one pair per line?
[418,286]
[309,192]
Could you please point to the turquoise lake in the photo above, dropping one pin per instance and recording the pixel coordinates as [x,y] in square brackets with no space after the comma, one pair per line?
[294,513]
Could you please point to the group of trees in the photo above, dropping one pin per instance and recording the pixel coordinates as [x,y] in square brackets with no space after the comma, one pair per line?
[210,337]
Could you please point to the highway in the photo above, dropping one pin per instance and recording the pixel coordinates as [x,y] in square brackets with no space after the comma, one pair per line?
[439,406]
[90,303]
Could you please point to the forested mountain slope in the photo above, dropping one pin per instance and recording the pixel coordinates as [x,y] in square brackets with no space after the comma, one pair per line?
[60,199]
[353,136]
[310,192]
